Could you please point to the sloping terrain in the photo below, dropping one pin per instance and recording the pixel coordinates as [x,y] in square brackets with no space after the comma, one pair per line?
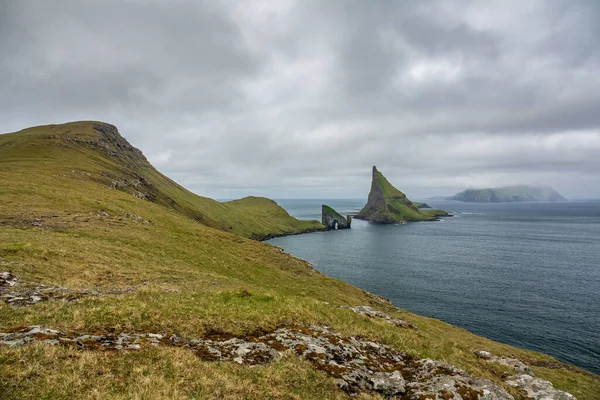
[388,205]
[96,152]
[129,296]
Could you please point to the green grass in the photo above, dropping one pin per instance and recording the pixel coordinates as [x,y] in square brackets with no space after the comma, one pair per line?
[190,279]
[75,150]
[328,210]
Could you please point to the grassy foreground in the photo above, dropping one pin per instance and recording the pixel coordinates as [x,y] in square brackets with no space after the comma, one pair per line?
[61,226]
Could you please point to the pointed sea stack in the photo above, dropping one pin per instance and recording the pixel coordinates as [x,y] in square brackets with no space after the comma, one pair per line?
[334,220]
[388,205]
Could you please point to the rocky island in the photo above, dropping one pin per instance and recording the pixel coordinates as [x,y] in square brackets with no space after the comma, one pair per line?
[509,194]
[388,205]
[331,219]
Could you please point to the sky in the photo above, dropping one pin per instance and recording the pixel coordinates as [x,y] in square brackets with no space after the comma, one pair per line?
[297,99]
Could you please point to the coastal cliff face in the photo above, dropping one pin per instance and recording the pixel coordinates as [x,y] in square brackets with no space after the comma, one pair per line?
[95,152]
[334,220]
[388,205]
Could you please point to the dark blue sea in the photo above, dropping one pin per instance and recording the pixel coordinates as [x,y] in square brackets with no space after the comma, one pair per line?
[526,274]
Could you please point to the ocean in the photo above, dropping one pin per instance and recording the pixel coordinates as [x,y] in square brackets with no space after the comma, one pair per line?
[525,274]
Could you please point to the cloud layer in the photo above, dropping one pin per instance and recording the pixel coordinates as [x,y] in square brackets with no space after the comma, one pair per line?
[300,98]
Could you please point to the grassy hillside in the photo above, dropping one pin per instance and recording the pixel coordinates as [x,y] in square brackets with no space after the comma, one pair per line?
[94,151]
[62,225]
[509,194]
[386,204]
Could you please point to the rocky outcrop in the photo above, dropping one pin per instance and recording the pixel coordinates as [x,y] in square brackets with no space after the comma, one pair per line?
[388,205]
[534,388]
[334,220]
[372,313]
[530,387]
[15,292]
[356,365]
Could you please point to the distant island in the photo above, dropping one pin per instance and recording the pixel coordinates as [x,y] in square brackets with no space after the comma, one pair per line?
[388,205]
[509,194]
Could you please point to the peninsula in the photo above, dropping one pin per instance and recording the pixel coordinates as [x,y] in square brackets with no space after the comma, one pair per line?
[388,205]
[509,194]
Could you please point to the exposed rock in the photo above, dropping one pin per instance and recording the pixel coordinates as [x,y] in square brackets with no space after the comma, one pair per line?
[530,387]
[388,205]
[355,364]
[334,220]
[370,312]
[509,362]
[8,279]
[438,380]
[537,389]
[19,293]
[388,383]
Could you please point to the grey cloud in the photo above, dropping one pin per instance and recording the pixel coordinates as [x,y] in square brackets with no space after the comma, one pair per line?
[301,98]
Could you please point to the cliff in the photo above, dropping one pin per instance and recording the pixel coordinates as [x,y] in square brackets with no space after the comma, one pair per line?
[388,205]
[97,152]
[334,220]
[509,194]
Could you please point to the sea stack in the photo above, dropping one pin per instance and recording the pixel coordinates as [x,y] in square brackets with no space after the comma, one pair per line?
[334,220]
[388,205]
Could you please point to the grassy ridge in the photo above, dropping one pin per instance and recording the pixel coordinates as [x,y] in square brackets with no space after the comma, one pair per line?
[61,226]
[95,151]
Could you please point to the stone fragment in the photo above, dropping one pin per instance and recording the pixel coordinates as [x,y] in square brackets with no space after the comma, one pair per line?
[533,388]
[371,312]
[518,365]
[8,279]
[388,383]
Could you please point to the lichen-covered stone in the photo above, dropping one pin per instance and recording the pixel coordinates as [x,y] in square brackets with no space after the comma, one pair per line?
[509,362]
[16,292]
[530,387]
[355,364]
[533,388]
[370,312]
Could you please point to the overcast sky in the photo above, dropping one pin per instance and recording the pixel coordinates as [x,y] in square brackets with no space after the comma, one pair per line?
[300,98]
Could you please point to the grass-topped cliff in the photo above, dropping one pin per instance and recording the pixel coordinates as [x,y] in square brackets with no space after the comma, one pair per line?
[114,263]
[96,152]
[509,194]
[388,205]
[333,219]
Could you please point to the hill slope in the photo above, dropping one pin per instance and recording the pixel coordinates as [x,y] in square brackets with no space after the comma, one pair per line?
[87,259]
[509,194]
[388,205]
[97,152]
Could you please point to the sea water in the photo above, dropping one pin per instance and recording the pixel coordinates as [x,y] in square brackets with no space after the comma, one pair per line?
[526,274]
